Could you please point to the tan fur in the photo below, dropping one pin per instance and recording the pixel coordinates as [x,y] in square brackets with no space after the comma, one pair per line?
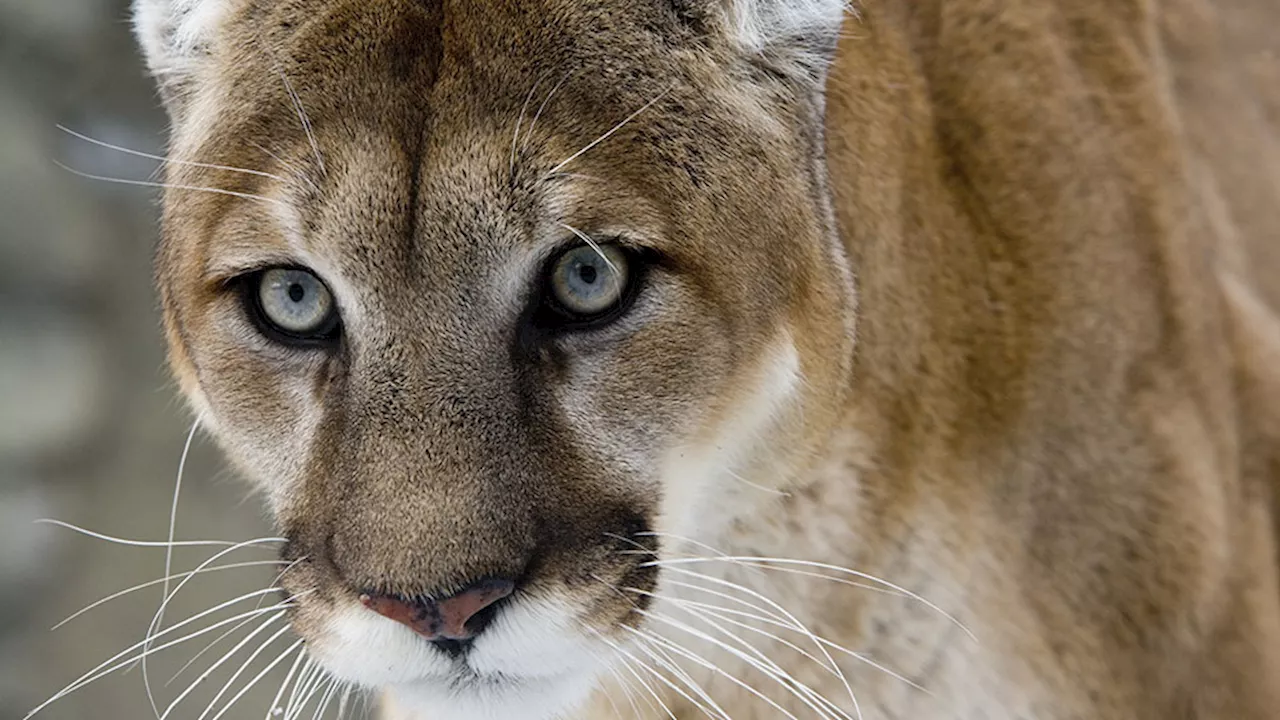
[1025,255]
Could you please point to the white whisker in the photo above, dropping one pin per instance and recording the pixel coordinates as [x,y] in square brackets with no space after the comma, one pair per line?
[303,118]
[158,581]
[703,662]
[592,243]
[625,686]
[759,661]
[574,176]
[262,627]
[725,596]
[309,668]
[810,573]
[315,686]
[608,134]
[700,610]
[515,136]
[696,543]
[798,626]
[212,644]
[663,660]
[543,106]
[640,549]
[107,667]
[756,565]
[275,702]
[257,678]
[757,486]
[630,689]
[166,186]
[169,161]
[722,613]
[149,543]
[680,674]
[627,691]
[325,700]
[778,676]
[158,621]
[245,666]
[232,631]
[722,555]
[625,656]
[314,675]
[822,566]
[343,702]
[294,171]
[617,712]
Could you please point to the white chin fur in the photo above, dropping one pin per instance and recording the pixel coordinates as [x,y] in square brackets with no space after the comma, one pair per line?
[362,647]
[540,699]
[532,663]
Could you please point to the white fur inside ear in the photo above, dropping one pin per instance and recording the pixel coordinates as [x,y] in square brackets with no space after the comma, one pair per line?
[174,33]
[758,23]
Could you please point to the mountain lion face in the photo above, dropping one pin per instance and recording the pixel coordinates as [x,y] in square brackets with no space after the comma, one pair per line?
[490,298]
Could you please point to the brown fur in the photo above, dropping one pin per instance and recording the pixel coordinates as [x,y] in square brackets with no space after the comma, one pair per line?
[1061,417]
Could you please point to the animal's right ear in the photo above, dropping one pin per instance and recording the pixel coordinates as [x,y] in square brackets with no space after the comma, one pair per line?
[797,37]
[176,36]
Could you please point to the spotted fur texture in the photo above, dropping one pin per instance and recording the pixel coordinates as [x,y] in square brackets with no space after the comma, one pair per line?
[976,298]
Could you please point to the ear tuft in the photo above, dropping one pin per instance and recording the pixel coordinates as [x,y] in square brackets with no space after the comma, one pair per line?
[760,24]
[175,36]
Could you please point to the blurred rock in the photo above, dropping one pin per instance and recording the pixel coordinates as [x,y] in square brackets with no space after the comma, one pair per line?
[56,21]
[26,544]
[52,384]
[44,240]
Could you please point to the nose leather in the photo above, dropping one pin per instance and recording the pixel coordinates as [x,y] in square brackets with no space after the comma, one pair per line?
[457,617]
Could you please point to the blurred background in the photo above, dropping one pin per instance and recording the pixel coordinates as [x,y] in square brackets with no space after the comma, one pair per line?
[91,430]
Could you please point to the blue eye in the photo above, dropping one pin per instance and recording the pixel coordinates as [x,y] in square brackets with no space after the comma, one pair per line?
[296,303]
[589,280]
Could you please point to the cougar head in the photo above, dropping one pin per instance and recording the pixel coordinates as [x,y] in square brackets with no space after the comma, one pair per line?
[490,297]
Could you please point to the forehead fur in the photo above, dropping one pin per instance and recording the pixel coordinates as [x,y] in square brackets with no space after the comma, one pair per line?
[176,35]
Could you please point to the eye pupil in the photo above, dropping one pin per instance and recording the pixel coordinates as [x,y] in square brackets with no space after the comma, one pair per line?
[294,303]
[589,281]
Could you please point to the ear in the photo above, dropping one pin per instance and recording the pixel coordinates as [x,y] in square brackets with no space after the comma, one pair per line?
[797,37]
[759,25]
[175,36]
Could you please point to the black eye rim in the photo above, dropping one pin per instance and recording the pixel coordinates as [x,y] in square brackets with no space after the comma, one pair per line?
[551,315]
[323,338]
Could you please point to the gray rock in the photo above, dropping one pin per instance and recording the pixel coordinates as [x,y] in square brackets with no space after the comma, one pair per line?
[25,547]
[52,384]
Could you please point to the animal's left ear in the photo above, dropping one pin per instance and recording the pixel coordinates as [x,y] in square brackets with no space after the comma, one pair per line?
[797,33]
[175,36]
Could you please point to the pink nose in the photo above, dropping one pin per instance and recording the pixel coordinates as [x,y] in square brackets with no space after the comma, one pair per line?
[459,617]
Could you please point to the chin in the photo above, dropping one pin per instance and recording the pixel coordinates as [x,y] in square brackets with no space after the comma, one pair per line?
[534,663]
[492,698]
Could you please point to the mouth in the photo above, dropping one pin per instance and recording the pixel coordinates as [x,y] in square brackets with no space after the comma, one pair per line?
[527,645]
[532,658]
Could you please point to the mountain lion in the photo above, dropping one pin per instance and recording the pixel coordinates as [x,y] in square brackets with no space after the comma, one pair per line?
[914,359]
